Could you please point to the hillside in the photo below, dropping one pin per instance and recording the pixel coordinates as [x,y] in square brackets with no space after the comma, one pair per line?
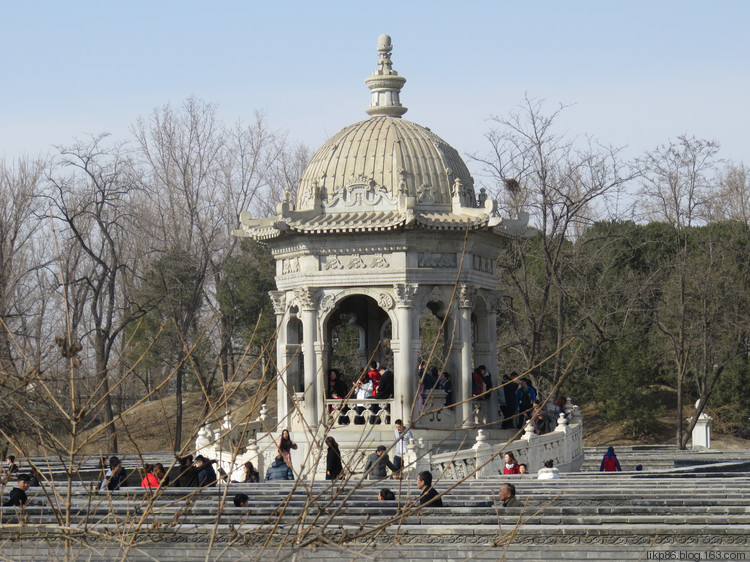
[149,427]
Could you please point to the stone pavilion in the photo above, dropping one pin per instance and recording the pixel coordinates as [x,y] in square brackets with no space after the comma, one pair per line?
[387,226]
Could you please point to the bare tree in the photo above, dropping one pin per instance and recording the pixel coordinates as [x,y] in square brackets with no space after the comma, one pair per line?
[732,201]
[677,187]
[199,177]
[91,185]
[536,171]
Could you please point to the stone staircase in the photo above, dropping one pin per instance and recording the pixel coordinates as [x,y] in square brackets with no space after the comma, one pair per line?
[660,457]
[687,515]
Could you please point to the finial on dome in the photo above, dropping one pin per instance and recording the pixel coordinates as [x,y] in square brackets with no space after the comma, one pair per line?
[385,83]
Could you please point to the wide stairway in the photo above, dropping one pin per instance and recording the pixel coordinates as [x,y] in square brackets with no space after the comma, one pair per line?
[686,514]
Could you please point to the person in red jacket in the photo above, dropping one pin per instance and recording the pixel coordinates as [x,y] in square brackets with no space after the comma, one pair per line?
[374,374]
[150,480]
[511,464]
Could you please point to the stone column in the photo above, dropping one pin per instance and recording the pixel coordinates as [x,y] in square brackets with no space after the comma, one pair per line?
[491,358]
[466,294]
[404,364]
[308,314]
[278,298]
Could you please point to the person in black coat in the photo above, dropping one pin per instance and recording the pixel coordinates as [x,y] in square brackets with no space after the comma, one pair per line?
[206,472]
[385,388]
[188,477]
[333,460]
[18,496]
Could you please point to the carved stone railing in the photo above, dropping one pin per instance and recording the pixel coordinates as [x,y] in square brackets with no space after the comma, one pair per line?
[344,413]
[564,446]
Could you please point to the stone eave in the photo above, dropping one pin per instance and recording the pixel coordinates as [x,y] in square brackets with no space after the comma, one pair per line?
[381,221]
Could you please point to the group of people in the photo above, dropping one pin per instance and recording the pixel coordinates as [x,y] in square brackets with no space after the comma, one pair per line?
[512,466]
[432,379]
[198,473]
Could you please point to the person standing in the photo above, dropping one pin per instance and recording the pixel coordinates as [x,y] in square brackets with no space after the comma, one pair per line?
[334,466]
[525,397]
[284,446]
[402,442]
[610,462]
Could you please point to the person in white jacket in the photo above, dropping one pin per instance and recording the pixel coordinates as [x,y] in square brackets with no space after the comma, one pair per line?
[549,472]
[363,392]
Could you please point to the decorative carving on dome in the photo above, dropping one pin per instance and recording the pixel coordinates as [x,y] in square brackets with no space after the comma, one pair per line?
[354,261]
[485,265]
[360,192]
[327,303]
[405,293]
[289,266]
[278,299]
[385,301]
[402,188]
[463,193]
[425,194]
[425,259]
[466,295]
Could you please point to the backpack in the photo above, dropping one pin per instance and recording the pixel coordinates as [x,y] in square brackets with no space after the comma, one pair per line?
[610,464]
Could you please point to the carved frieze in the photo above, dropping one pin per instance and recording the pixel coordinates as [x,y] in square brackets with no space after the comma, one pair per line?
[405,293]
[485,265]
[425,259]
[289,266]
[353,261]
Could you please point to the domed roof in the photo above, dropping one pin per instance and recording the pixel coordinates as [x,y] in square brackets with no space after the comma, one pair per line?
[373,162]
[384,173]
[391,156]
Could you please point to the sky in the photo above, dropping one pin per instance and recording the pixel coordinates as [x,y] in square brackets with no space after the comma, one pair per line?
[634,74]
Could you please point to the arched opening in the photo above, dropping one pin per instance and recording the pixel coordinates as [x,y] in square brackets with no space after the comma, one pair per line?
[357,331]
[296,366]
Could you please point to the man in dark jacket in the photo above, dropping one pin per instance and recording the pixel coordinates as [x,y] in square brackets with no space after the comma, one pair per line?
[188,477]
[279,470]
[385,388]
[429,497]
[377,463]
[508,496]
[206,472]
